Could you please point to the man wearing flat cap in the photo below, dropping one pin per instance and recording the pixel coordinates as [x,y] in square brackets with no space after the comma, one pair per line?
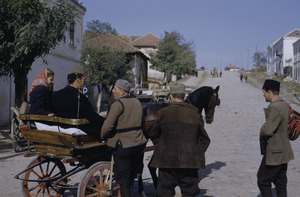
[181,147]
[275,145]
[123,131]
[69,102]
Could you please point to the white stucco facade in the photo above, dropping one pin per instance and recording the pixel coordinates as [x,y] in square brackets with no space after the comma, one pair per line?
[61,59]
[296,68]
[154,74]
[280,55]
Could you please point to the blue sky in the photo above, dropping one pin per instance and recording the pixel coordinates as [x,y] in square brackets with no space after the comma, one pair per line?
[224,32]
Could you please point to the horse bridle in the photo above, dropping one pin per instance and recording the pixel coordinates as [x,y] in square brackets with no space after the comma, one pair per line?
[213,101]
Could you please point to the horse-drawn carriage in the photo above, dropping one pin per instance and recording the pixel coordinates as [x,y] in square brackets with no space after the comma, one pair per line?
[214,72]
[46,175]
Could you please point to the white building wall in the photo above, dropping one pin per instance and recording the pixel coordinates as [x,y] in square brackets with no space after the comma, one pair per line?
[283,46]
[296,68]
[288,50]
[63,57]
[275,61]
[154,74]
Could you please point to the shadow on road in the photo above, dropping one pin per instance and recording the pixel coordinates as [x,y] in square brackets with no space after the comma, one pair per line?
[202,173]
[5,146]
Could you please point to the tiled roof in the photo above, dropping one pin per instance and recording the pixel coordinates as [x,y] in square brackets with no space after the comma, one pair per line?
[149,40]
[133,38]
[115,43]
[233,67]
[124,37]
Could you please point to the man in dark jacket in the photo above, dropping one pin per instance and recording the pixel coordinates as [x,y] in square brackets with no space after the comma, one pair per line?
[275,145]
[69,102]
[181,147]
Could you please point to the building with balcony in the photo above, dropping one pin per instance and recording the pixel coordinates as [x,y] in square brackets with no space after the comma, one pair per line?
[296,67]
[280,54]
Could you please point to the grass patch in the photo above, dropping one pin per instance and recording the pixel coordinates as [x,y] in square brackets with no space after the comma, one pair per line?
[289,90]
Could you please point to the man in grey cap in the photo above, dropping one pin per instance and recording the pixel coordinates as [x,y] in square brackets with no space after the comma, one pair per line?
[181,147]
[275,145]
[69,102]
[123,131]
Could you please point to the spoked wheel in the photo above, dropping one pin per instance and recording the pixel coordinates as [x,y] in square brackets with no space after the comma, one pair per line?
[96,182]
[49,169]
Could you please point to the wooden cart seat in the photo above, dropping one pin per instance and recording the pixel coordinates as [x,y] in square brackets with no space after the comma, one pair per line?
[60,144]
[54,119]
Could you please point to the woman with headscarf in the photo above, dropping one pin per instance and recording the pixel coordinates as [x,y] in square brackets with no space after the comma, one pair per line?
[40,93]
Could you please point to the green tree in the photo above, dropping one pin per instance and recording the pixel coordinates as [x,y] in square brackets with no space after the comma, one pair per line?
[259,59]
[103,66]
[28,30]
[174,55]
[95,28]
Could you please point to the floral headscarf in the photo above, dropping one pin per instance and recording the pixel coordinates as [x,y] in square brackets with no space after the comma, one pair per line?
[40,80]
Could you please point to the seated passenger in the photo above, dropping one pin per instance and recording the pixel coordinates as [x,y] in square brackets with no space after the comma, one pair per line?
[40,93]
[69,102]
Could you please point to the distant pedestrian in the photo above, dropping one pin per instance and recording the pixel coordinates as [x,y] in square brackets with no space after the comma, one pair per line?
[220,73]
[275,145]
[241,77]
[246,78]
[182,144]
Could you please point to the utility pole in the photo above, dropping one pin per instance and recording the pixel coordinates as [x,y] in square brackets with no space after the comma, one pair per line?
[248,59]
[242,60]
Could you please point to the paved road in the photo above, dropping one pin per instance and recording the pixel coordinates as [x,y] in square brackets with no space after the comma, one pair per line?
[232,158]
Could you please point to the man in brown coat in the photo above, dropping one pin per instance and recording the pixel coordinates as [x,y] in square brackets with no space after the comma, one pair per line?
[181,147]
[275,145]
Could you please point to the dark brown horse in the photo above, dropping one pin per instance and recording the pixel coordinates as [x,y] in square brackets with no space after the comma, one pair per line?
[204,97]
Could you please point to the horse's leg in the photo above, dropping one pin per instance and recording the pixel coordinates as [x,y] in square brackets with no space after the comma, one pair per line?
[139,175]
[140,185]
[153,175]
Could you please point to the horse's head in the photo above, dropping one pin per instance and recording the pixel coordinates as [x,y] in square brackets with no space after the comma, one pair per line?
[210,108]
[205,98]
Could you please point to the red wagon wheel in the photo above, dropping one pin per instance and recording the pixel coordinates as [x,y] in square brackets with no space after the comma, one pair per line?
[48,169]
[96,182]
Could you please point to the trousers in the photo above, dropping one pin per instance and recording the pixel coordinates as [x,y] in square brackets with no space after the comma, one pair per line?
[267,175]
[125,166]
[169,178]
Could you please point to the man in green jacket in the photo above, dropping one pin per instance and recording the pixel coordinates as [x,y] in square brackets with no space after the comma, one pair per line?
[275,145]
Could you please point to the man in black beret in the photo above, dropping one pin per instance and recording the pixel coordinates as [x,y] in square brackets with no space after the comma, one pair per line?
[275,145]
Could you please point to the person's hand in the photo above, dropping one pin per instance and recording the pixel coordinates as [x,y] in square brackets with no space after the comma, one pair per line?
[51,114]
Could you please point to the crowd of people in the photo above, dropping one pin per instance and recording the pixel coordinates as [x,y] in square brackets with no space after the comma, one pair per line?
[183,140]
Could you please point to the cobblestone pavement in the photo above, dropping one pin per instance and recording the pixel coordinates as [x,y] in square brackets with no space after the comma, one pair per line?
[232,158]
